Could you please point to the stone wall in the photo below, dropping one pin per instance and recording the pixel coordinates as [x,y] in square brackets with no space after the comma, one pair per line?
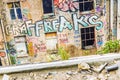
[44,32]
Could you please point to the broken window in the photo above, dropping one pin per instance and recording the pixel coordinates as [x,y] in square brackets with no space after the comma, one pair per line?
[47,6]
[15,10]
[86,5]
[87,37]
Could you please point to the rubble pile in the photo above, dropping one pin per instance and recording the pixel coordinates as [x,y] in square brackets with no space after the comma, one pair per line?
[84,71]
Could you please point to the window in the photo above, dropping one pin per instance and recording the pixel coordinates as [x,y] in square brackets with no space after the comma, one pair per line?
[51,40]
[87,37]
[86,5]
[47,6]
[21,45]
[15,10]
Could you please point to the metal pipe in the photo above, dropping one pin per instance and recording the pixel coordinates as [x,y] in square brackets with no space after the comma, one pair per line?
[111,68]
[5,41]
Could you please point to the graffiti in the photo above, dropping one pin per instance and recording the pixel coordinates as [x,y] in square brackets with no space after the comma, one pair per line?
[67,5]
[11,48]
[63,38]
[50,26]
[98,2]
[41,47]
[100,40]
[98,9]
[77,34]
[114,31]
[17,28]
[26,14]
[25,11]
[38,45]
[64,23]
[30,49]
[57,2]
[33,39]
[2,54]
[77,38]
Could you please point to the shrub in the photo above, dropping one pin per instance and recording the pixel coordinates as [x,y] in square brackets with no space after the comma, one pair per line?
[110,47]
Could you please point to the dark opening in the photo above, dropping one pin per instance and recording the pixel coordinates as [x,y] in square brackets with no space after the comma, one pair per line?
[86,5]
[87,37]
[47,6]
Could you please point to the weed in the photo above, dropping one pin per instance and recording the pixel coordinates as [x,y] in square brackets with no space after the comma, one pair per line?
[110,47]
[63,53]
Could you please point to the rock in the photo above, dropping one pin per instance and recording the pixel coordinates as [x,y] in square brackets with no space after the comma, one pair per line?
[90,77]
[69,73]
[13,78]
[102,77]
[49,75]
[75,72]
[83,66]
[52,73]
[31,74]
[68,76]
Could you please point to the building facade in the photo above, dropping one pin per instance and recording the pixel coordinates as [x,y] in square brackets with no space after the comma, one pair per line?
[35,28]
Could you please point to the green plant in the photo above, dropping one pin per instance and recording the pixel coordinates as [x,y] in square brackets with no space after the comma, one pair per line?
[13,59]
[86,52]
[63,54]
[110,47]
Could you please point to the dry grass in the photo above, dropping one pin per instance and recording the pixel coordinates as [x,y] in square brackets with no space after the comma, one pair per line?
[74,51]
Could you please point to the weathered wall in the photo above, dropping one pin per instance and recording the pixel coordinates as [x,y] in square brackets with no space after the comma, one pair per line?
[66,23]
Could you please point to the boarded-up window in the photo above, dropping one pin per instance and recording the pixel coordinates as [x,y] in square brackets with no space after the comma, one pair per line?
[51,41]
[20,44]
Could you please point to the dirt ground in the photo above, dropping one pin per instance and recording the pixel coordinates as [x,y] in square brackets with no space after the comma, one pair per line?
[69,73]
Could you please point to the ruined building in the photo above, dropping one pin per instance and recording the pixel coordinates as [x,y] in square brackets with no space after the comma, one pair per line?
[32,28]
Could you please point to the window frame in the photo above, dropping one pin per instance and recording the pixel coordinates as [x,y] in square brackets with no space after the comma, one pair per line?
[83,46]
[89,11]
[15,10]
[21,40]
[49,14]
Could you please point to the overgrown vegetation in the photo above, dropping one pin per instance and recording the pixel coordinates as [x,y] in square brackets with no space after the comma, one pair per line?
[72,50]
[63,53]
[13,59]
[110,47]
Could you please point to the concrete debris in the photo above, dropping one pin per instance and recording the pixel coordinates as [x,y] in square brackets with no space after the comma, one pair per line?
[69,73]
[5,77]
[68,76]
[50,75]
[102,77]
[72,73]
[31,74]
[91,78]
[83,66]
[101,68]
[111,68]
